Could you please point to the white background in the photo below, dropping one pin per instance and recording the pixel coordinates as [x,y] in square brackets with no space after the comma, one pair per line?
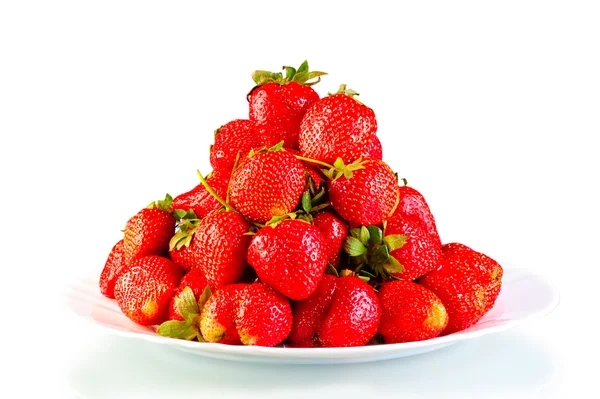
[490,109]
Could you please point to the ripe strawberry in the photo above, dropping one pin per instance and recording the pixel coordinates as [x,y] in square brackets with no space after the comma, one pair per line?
[337,126]
[217,321]
[144,289]
[181,248]
[367,195]
[420,252]
[277,103]
[290,257]
[232,139]
[410,312]
[334,232]
[412,203]
[187,308]
[309,169]
[345,312]
[267,184]
[309,313]
[112,269]
[148,232]
[264,317]
[468,283]
[196,281]
[374,149]
[185,256]
[220,244]
[199,199]
[354,316]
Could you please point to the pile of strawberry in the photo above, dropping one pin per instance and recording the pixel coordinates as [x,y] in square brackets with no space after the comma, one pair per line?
[301,235]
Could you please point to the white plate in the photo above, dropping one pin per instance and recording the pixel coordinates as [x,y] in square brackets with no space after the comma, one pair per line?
[524,296]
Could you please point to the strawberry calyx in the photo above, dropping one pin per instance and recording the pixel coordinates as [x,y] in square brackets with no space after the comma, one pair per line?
[370,252]
[343,89]
[348,272]
[186,226]
[164,204]
[302,76]
[338,169]
[190,310]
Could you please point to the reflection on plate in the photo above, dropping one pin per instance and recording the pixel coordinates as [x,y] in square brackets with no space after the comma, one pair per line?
[524,296]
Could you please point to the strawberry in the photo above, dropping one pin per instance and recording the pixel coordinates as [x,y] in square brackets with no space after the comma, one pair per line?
[277,103]
[233,139]
[365,193]
[412,203]
[290,257]
[309,169]
[144,289]
[334,232]
[181,245]
[187,308]
[309,313]
[220,244]
[199,199]
[374,149]
[148,232]
[345,312]
[406,251]
[468,283]
[267,184]
[196,281]
[264,317]
[410,312]
[420,252]
[112,269]
[337,126]
[217,321]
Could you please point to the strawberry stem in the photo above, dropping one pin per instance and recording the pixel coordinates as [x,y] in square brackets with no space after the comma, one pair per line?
[213,193]
[301,158]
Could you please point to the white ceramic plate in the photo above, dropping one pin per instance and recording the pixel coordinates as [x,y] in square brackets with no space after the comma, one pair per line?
[524,296]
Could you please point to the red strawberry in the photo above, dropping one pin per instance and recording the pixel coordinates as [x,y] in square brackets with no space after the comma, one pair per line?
[233,138]
[144,289]
[309,169]
[407,251]
[196,281]
[309,313]
[187,306]
[220,244]
[337,126]
[374,149]
[410,312]
[354,316]
[199,199]
[264,317]
[290,257]
[412,203]
[112,269]
[420,253]
[267,184]
[217,321]
[345,312]
[181,248]
[467,283]
[185,256]
[334,232]
[148,232]
[365,195]
[277,103]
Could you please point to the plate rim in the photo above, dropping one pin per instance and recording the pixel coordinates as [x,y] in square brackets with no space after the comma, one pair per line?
[261,353]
